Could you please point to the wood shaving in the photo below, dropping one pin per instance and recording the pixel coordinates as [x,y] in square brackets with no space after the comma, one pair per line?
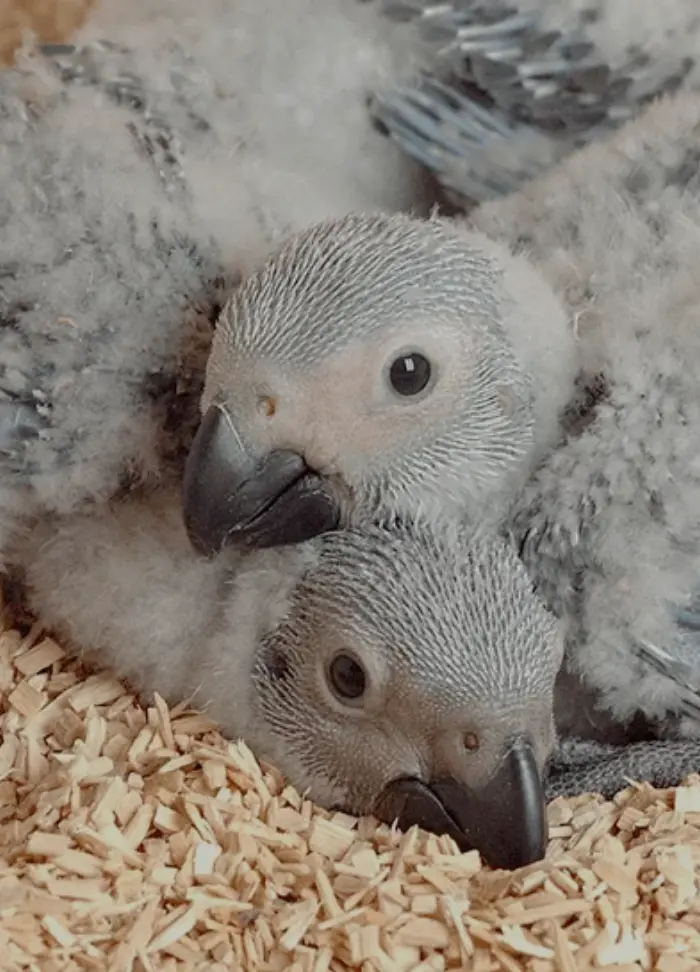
[138,839]
[52,21]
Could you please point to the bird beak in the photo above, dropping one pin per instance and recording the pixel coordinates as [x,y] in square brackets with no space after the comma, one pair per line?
[505,820]
[231,496]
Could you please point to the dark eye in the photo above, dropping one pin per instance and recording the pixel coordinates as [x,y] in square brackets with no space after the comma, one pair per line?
[347,678]
[409,373]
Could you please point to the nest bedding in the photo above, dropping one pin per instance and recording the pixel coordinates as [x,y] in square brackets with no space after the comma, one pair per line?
[137,838]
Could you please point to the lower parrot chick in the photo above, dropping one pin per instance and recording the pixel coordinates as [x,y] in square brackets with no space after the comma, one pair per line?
[408,675]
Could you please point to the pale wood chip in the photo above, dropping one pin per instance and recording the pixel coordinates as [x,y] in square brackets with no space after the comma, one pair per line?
[41,656]
[137,839]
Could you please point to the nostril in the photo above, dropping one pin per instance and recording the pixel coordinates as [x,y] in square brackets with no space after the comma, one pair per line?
[471,741]
[267,405]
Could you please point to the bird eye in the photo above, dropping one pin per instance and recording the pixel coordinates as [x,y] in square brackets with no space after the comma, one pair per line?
[409,373]
[347,678]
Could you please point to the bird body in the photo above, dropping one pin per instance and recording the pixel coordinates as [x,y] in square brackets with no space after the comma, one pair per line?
[142,178]
[510,371]
[341,660]
[609,525]
[516,85]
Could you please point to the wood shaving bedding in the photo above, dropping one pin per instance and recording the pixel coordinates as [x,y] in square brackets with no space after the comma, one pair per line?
[136,838]
[52,21]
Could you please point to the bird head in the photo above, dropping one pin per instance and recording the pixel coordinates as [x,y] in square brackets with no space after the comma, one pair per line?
[411,676]
[374,368]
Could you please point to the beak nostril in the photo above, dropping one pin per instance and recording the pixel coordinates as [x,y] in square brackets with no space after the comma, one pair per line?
[267,405]
[471,741]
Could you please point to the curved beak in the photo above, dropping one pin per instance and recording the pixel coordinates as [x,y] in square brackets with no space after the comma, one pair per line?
[231,496]
[505,820]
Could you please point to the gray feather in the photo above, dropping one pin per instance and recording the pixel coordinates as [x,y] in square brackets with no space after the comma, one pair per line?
[443,624]
[142,177]
[608,526]
[517,86]
[588,767]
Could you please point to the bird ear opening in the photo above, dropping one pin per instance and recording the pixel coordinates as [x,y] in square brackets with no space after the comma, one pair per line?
[275,661]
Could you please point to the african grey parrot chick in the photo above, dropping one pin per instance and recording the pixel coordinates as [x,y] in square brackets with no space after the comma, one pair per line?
[376,367]
[393,673]
[405,673]
[516,85]
[307,426]
[142,176]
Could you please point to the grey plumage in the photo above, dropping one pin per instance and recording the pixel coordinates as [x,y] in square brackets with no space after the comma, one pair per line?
[141,179]
[460,660]
[608,526]
[515,85]
[459,679]
[594,264]
[582,766]
[517,355]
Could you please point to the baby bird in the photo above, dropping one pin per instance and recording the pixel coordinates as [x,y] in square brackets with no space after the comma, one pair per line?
[393,673]
[556,331]
[515,85]
[141,179]
[376,367]
[409,673]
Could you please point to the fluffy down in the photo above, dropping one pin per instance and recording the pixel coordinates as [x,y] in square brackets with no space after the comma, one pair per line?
[516,85]
[608,526]
[141,179]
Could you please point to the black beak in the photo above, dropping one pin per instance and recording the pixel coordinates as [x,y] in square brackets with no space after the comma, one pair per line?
[231,497]
[505,820]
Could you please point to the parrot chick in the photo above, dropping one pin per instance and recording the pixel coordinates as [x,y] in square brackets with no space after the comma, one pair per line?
[458,345]
[142,177]
[376,367]
[386,673]
[407,673]
[516,85]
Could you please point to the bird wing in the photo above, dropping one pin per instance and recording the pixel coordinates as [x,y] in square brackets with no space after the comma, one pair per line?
[509,93]
[102,272]
[676,663]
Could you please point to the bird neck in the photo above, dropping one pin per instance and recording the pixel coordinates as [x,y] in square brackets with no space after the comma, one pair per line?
[541,336]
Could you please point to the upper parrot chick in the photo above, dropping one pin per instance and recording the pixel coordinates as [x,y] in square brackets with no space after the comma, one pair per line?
[405,674]
[375,367]
[142,177]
